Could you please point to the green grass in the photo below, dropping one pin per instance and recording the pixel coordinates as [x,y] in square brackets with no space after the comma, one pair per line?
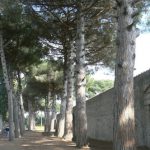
[39,128]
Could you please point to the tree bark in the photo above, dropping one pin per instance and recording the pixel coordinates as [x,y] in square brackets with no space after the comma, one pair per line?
[31,125]
[69,101]
[61,121]
[61,118]
[124,119]
[8,88]
[53,116]
[16,118]
[15,105]
[21,106]
[1,123]
[81,118]
[47,112]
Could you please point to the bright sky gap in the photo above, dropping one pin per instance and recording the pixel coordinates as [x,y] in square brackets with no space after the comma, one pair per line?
[142,60]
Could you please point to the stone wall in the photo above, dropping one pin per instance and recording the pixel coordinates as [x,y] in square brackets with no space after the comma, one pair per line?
[100,116]
[100,112]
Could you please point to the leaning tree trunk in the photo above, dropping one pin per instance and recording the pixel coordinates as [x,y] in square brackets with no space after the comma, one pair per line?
[124,119]
[61,121]
[8,88]
[21,106]
[81,118]
[69,101]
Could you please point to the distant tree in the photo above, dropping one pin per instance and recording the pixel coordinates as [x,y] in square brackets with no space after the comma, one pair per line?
[63,15]
[144,17]
[94,87]
[22,44]
[44,81]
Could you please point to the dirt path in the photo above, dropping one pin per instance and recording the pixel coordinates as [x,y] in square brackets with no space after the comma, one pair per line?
[36,141]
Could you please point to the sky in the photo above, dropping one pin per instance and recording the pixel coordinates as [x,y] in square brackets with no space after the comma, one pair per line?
[142,60]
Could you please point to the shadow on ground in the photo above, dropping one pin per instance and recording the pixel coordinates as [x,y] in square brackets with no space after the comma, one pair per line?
[105,145]
[36,141]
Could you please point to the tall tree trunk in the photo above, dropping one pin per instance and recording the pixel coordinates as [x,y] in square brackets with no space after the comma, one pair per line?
[47,112]
[81,123]
[31,125]
[21,106]
[48,102]
[61,118]
[45,116]
[15,106]
[16,118]
[69,101]
[1,123]
[61,121]
[8,88]
[124,121]
[53,116]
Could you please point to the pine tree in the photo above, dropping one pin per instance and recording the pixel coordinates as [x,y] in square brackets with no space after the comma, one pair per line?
[124,118]
[8,88]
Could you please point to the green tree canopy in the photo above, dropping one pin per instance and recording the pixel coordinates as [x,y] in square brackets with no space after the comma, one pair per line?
[38,83]
[95,87]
